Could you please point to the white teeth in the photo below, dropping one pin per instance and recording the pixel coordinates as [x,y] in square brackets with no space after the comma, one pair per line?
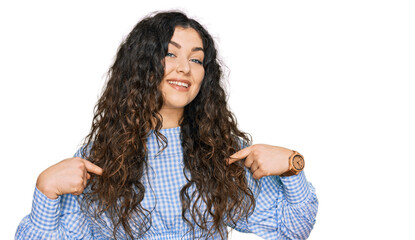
[179,83]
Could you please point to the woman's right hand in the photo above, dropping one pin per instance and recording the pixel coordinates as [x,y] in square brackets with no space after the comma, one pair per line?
[67,176]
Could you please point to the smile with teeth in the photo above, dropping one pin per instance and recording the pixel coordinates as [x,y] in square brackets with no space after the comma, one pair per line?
[182,84]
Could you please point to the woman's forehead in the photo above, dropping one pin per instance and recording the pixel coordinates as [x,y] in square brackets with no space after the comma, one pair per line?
[187,38]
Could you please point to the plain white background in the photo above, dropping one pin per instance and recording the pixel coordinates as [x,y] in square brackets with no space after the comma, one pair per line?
[331,79]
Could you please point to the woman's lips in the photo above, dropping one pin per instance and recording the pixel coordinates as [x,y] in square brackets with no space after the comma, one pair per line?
[179,85]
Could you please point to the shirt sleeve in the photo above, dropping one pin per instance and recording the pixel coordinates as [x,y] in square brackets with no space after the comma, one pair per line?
[59,218]
[286,208]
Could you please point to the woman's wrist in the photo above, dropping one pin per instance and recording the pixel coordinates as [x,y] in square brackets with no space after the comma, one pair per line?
[45,188]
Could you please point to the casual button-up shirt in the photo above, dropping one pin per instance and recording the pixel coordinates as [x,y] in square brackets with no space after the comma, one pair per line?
[286,207]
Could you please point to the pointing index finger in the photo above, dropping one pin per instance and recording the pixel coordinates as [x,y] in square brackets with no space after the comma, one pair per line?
[241,154]
[92,168]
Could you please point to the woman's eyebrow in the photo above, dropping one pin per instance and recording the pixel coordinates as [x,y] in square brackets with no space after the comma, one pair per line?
[179,46]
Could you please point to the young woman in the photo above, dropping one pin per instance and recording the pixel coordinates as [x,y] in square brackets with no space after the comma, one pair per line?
[165,159]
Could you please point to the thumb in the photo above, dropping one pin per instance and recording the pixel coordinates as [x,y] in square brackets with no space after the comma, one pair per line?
[92,168]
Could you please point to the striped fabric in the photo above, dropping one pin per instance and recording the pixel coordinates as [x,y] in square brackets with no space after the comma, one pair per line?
[286,207]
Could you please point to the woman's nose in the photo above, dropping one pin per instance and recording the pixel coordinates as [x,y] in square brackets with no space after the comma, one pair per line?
[183,66]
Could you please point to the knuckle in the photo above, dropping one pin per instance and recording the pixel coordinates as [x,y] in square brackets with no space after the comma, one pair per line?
[78,190]
[80,165]
[77,183]
[76,193]
[254,153]
[260,163]
[76,162]
[80,182]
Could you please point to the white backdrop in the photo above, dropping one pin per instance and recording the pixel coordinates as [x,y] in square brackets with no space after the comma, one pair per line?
[331,79]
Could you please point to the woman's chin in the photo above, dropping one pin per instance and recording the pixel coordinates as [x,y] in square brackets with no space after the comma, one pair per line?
[175,106]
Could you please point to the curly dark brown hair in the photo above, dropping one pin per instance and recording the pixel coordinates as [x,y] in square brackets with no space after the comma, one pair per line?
[128,111]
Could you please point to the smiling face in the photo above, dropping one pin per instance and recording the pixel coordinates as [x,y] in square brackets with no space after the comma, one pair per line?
[183,71]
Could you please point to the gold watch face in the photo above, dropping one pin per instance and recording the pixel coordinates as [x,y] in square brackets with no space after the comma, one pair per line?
[298,162]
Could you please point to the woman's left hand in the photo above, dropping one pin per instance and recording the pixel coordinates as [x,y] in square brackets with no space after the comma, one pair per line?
[263,160]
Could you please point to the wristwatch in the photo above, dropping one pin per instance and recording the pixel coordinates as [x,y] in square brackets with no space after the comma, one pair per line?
[296,164]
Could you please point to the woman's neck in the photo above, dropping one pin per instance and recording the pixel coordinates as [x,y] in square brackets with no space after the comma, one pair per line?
[171,117]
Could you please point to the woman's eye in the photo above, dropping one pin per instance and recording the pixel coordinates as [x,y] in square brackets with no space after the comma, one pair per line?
[170,55]
[197,61]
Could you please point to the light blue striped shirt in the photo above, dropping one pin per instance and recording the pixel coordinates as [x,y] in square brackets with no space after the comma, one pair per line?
[286,207]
